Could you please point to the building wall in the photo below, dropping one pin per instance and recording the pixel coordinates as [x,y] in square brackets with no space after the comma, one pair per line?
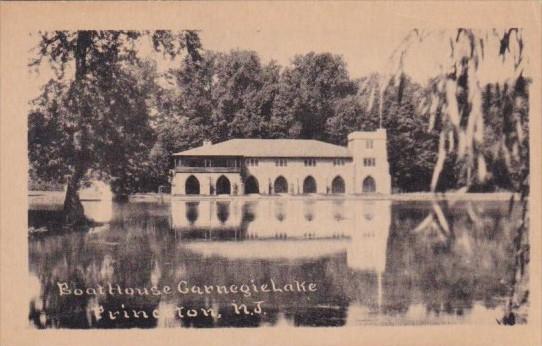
[205,181]
[363,146]
[380,172]
[266,172]
[295,172]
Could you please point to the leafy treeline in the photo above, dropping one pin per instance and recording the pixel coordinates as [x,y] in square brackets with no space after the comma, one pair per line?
[129,118]
[234,95]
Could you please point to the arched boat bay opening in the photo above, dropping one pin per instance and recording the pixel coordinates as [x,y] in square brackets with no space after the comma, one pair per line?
[309,185]
[223,186]
[251,185]
[281,185]
[369,185]
[191,186]
[337,185]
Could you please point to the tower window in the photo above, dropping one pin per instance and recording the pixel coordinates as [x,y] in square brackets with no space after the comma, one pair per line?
[369,161]
[369,144]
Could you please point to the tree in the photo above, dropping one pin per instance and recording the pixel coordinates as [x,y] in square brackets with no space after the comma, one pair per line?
[308,91]
[195,81]
[236,93]
[411,149]
[498,105]
[228,94]
[348,115]
[95,120]
[217,97]
[457,107]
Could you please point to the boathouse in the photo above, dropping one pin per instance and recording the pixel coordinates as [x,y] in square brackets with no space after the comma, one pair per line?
[284,166]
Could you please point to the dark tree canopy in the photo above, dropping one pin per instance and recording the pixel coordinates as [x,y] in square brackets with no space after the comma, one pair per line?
[308,91]
[95,121]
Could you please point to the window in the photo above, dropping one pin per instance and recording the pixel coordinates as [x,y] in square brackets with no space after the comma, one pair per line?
[369,161]
[338,162]
[251,162]
[369,144]
[281,162]
[310,162]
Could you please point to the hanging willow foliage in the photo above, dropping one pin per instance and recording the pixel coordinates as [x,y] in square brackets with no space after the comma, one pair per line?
[459,66]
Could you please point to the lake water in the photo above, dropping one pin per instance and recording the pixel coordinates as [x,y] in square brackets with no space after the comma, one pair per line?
[272,262]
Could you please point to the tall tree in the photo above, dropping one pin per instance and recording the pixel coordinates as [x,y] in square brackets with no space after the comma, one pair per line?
[96,117]
[349,115]
[243,94]
[218,97]
[308,91]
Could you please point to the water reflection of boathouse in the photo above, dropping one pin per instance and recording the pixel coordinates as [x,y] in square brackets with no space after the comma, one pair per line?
[205,214]
[326,237]
[359,226]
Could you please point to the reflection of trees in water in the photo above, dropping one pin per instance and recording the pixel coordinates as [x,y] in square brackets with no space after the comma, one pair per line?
[141,253]
[122,254]
[314,308]
[57,264]
[452,264]
[484,131]
[447,277]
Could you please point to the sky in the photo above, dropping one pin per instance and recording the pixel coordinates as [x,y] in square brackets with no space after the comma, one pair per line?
[366,36]
[364,43]
[363,50]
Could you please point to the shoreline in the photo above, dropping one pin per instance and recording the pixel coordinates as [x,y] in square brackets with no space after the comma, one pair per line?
[48,197]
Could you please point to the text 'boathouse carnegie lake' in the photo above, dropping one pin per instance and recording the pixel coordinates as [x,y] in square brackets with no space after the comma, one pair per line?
[255,261]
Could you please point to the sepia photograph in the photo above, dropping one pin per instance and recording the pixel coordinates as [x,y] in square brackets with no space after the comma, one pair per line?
[270,174]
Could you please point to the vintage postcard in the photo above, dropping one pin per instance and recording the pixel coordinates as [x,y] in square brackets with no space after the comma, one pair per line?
[271,173]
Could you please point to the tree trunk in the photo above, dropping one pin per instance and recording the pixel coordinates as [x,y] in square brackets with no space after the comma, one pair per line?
[73,209]
[74,214]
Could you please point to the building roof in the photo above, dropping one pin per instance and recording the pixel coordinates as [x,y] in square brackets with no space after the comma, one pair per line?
[269,148]
[378,134]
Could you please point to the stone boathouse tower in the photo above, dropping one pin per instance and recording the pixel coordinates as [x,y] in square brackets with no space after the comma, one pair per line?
[285,166]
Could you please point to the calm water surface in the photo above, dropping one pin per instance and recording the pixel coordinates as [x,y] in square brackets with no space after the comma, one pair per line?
[371,262]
